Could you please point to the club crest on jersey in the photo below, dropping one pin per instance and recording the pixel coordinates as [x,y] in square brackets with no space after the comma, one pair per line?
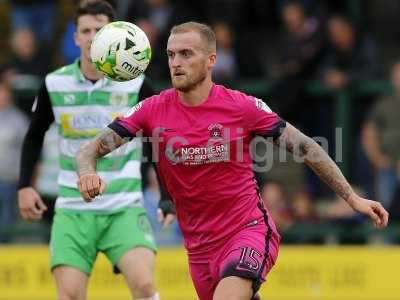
[69,99]
[215,131]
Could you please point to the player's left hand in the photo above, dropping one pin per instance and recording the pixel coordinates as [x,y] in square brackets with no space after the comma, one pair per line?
[373,209]
[166,212]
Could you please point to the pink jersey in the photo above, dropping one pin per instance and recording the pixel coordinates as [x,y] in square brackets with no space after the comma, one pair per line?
[204,159]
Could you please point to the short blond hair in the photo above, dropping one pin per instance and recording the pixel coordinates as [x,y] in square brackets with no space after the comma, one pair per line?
[205,31]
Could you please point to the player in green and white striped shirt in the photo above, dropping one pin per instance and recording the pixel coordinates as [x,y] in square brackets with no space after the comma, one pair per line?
[81,102]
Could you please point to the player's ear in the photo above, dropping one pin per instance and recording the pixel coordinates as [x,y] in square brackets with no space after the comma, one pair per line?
[212,60]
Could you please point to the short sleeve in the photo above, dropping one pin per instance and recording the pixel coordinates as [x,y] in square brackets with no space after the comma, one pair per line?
[133,121]
[260,119]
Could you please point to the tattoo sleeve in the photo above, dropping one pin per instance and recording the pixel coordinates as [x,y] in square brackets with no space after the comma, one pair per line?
[316,158]
[87,155]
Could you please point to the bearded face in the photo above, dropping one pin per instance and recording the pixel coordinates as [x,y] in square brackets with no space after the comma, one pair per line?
[188,60]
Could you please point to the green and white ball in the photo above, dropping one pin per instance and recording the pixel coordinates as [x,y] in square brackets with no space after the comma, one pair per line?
[121,51]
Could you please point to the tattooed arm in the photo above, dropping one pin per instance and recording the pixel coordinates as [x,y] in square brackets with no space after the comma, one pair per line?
[89,183]
[323,166]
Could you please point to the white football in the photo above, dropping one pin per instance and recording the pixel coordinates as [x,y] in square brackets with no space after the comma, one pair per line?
[121,51]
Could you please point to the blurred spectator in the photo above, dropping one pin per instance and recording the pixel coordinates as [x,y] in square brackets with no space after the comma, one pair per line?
[307,4]
[70,51]
[121,7]
[226,68]
[13,128]
[29,65]
[137,10]
[158,68]
[156,17]
[248,20]
[304,210]
[160,13]
[381,140]
[306,218]
[36,15]
[351,58]
[7,74]
[150,30]
[224,10]
[249,14]
[275,199]
[28,57]
[302,50]
[304,43]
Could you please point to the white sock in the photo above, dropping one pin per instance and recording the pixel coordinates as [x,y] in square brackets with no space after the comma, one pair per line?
[156,296]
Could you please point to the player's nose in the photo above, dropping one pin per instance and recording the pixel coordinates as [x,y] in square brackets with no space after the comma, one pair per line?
[175,62]
[92,34]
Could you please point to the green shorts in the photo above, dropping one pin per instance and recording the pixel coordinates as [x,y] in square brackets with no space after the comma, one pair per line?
[77,237]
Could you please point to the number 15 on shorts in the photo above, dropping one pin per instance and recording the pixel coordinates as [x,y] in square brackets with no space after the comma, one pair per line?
[249,259]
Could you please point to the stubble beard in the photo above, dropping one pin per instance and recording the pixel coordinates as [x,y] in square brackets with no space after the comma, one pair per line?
[191,83]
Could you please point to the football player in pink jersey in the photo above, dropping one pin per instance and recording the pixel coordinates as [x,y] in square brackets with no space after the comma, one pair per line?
[202,134]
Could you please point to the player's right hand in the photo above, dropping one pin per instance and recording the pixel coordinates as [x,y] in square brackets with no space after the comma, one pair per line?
[90,186]
[31,205]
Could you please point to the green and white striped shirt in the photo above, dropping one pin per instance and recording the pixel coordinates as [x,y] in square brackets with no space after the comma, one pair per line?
[81,110]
